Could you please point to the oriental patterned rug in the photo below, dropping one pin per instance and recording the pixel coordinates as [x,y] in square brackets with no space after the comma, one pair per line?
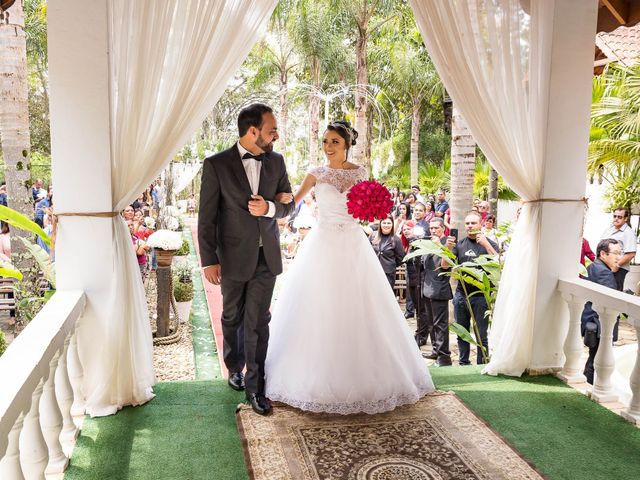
[438,438]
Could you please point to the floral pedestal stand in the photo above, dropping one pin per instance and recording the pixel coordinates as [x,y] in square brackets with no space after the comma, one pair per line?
[163,277]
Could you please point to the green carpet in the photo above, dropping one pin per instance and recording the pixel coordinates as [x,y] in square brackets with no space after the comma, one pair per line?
[204,345]
[188,432]
[563,433]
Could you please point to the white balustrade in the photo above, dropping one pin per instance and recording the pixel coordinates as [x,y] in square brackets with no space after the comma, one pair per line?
[633,412]
[573,346]
[37,394]
[608,303]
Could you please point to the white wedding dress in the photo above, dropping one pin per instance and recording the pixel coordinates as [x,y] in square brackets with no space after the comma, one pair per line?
[339,342]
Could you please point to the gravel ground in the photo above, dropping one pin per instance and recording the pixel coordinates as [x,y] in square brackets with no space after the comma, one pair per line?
[174,361]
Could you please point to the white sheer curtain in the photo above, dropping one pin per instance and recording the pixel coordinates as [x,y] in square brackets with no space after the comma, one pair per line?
[169,64]
[494,60]
[183,173]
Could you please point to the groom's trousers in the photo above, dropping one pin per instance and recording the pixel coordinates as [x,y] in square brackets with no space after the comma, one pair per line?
[246,304]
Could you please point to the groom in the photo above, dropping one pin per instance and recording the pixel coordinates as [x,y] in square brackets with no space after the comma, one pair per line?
[240,243]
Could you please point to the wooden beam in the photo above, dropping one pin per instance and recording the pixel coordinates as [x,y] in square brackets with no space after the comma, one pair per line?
[619,9]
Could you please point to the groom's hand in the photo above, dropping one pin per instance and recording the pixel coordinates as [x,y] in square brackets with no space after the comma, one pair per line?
[213,274]
[258,206]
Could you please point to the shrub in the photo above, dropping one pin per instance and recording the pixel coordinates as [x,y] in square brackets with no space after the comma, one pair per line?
[184,248]
[183,292]
[3,343]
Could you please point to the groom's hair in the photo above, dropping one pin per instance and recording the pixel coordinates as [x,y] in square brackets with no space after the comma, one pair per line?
[251,116]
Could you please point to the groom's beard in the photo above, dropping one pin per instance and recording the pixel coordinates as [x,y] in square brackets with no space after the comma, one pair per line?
[267,147]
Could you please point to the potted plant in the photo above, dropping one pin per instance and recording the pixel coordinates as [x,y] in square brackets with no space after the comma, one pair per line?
[183,250]
[183,294]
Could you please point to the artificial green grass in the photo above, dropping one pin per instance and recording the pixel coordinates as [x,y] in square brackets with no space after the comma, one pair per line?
[188,432]
[563,433]
[204,346]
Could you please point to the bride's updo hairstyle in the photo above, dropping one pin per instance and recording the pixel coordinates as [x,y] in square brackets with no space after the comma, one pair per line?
[345,130]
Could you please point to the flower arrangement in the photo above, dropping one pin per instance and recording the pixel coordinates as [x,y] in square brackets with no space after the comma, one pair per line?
[369,200]
[165,240]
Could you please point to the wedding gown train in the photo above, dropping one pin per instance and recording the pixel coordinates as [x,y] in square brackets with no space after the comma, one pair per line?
[339,341]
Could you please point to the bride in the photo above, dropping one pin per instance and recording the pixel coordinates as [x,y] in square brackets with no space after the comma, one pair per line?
[339,341]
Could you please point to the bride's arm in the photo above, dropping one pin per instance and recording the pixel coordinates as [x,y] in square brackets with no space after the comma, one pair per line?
[307,184]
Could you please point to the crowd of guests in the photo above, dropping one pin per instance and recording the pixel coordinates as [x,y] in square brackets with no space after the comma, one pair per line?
[141,217]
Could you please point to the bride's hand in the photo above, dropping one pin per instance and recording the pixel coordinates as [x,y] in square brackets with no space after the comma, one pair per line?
[284,197]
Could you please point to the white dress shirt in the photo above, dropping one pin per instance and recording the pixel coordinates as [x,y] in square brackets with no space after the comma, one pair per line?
[252,169]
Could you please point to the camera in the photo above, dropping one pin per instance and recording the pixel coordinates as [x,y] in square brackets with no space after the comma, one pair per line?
[454,233]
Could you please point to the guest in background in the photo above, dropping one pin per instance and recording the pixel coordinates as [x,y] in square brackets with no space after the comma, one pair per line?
[488,228]
[388,248]
[402,215]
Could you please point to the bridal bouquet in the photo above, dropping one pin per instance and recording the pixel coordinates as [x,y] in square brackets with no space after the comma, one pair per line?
[165,240]
[369,200]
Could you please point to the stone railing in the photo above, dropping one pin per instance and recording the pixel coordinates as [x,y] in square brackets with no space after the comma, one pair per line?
[40,392]
[608,303]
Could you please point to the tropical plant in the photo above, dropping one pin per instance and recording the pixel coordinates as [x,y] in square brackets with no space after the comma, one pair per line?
[481,184]
[483,273]
[614,147]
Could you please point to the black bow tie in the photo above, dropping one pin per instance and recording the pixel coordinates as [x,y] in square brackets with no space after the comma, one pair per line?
[257,158]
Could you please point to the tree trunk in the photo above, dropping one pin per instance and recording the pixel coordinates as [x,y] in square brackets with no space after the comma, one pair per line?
[284,111]
[14,121]
[362,79]
[463,159]
[493,193]
[314,113]
[415,142]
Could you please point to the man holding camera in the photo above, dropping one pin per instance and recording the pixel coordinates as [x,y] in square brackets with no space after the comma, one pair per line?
[468,250]
[436,292]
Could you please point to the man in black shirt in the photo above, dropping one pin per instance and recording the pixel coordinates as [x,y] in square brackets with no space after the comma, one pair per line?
[468,250]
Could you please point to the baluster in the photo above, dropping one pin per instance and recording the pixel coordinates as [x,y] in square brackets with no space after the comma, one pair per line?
[10,464]
[64,394]
[573,346]
[51,421]
[74,367]
[633,412]
[34,455]
[605,362]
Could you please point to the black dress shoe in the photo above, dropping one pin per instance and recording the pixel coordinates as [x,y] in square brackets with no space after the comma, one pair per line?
[408,314]
[443,361]
[420,340]
[260,404]
[430,356]
[236,381]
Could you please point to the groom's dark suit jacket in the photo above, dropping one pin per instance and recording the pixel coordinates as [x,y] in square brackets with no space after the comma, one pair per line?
[228,234]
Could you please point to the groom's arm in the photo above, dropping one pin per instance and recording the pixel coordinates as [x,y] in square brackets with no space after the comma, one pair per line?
[284,209]
[208,215]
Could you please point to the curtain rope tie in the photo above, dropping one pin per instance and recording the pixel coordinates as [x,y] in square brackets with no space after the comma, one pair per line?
[557,200]
[54,223]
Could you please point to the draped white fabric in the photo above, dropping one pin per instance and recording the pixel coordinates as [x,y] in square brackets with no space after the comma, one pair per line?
[183,173]
[169,63]
[494,59]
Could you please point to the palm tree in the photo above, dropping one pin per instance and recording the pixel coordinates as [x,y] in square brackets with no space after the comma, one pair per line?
[463,159]
[614,148]
[364,17]
[14,119]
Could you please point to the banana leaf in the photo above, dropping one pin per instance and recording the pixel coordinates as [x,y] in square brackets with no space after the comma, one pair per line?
[18,220]
[463,333]
[428,247]
[10,273]
[43,260]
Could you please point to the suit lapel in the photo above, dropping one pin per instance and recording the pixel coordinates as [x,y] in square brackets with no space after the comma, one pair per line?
[266,172]
[238,169]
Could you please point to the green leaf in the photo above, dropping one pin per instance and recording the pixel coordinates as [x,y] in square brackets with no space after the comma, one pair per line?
[18,220]
[43,260]
[10,273]
[429,247]
[582,270]
[463,333]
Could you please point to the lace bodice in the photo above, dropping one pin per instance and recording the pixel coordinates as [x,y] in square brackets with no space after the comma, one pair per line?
[341,179]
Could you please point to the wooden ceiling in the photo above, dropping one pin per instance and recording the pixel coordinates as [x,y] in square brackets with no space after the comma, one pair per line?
[616,13]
